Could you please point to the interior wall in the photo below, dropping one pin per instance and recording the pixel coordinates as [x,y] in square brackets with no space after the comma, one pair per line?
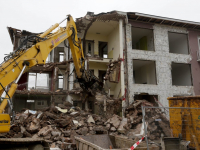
[96,67]
[178,43]
[113,44]
[96,38]
[145,74]
[117,91]
[142,39]
[181,74]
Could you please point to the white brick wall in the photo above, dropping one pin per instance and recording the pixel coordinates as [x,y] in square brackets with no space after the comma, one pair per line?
[163,60]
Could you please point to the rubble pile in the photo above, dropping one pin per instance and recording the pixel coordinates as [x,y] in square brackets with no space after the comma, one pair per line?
[108,105]
[155,120]
[59,125]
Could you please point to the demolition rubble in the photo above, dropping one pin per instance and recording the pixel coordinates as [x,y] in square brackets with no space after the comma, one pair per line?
[58,125]
[155,119]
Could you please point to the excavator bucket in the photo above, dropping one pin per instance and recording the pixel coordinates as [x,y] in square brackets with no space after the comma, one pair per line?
[4,123]
[91,83]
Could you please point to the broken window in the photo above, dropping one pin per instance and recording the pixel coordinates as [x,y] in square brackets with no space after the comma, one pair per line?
[103,49]
[181,74]
[142,39]
[89,48]
[178,43]
[60,82]
[144,72]
[31,80]
[42,80]
[38,81]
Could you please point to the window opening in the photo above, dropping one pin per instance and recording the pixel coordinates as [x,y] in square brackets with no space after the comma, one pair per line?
[60,81]
[103,49]
[61,56]
[37,80]
[102,75]
[181,74]
[89,48]
[178,43]
[144,72]
[32,81]
[30,101]
[40,103]
[142,39]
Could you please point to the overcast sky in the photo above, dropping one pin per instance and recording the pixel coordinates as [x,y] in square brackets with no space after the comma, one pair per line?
[38,15]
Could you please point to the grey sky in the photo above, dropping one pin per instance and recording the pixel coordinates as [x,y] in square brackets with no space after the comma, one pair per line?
[38,15]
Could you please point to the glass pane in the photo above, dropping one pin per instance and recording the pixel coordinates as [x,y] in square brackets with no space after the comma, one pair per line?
[105,56]
[42,79]
[61,58]
[60,83]
[30,101]
[31,81]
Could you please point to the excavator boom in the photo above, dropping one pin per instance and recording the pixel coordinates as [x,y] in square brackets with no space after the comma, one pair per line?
[23,58]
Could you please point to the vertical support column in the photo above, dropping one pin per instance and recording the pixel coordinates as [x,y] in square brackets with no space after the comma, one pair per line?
[54,79]
[122,63]
[96,47]
[70,84]
[129,71]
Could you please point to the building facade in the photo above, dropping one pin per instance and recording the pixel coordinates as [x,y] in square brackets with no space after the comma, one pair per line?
[137,56]
[162,57]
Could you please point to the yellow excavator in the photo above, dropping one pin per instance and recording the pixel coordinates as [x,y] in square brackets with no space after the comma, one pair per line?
[20,60]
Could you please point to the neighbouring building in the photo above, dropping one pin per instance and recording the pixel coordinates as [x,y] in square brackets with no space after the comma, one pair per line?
[154,57]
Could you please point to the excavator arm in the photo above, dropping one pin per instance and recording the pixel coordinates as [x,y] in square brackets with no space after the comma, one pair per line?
[19,61]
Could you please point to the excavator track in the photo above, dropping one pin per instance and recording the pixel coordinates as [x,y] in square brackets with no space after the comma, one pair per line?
[23,144]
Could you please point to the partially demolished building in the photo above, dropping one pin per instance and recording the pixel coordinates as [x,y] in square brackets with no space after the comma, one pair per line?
[137,56]
[162,57]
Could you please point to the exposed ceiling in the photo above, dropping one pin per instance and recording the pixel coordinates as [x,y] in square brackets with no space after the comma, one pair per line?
[138,33]
[174,37]
[176,66]
[103,28]
[139,63]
